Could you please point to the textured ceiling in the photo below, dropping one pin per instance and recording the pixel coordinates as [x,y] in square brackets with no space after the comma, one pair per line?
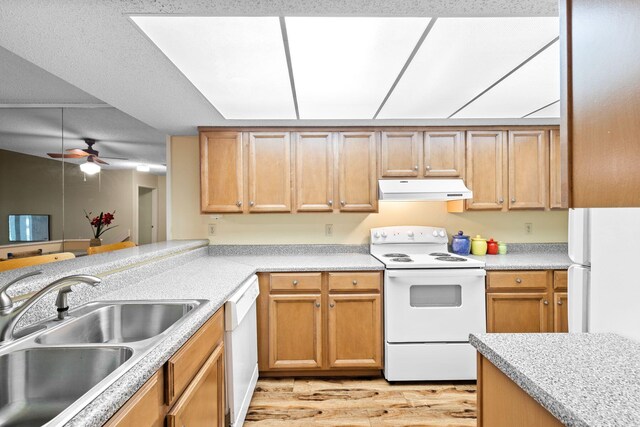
[94,46]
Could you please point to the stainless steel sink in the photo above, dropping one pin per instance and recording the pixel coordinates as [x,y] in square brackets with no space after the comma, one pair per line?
[50,374]
[118,323]
[36,384]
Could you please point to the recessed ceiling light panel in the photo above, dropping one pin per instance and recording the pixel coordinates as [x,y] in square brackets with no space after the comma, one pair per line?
[343,67]
[460,58]
[237,63]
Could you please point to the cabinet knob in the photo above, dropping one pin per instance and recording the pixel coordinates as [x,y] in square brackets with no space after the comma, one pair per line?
[513,200]
[251,203]
[415,168]
[317,304]
[545,302]
[559,302]
[330,202]
[332,305]
[355,282]
[239,203]
[518,280]
[501,200]
[294,283]
[428,168]
[342,202]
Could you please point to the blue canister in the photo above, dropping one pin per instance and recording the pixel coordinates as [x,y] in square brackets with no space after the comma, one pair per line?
[461,244]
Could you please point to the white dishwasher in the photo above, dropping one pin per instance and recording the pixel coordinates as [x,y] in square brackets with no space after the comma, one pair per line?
[241,349]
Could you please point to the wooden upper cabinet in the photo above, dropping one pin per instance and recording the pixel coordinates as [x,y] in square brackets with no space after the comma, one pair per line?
[516,312]
[269,172]
[357,172]
[528,169]
[558,180]
[400,154]
[295,331]
[221,172]
[314,177]
[355,331]
[444,154]
[486,170]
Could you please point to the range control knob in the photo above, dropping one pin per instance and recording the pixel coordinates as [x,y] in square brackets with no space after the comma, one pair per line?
[410,233]
[384,234]
[435,233]
[376,235]
[441,233]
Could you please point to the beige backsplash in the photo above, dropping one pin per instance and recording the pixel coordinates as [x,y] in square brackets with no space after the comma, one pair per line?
[353,228]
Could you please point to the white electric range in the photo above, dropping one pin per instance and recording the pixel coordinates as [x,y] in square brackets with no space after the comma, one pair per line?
[433,300]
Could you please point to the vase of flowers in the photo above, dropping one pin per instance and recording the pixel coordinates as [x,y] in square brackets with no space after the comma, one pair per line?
[99,225]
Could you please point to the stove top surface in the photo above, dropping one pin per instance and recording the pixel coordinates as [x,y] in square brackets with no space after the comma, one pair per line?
[426,260]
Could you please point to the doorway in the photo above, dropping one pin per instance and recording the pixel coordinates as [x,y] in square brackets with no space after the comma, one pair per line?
[147,215]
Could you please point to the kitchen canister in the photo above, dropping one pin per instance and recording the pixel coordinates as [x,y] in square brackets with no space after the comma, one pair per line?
[461,244]
[492,247]
[502,248]
[478,245]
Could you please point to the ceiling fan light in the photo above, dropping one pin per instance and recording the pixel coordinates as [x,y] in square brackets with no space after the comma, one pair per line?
[90,168]
[143,168]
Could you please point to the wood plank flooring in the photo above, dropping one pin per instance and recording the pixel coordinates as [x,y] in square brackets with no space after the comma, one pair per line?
[298,402]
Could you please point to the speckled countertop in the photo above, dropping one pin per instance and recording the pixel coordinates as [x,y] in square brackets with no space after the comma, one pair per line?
[582,379]
[529,256]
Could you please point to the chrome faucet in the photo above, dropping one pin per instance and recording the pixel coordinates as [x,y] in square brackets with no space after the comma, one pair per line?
[10,315]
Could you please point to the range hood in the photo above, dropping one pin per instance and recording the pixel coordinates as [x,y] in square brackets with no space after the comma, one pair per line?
[423,189]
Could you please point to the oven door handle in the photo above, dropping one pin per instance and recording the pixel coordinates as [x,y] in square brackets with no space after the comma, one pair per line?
[458,272]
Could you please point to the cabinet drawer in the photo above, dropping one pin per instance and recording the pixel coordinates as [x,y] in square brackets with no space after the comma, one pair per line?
[296,281]
[146,407]
[518,279]
[187,361]
[369,282]
[560,280]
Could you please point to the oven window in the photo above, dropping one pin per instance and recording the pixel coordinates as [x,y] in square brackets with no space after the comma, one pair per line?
[435,296]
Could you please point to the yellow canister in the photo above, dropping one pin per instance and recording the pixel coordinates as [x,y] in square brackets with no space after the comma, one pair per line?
[478,245]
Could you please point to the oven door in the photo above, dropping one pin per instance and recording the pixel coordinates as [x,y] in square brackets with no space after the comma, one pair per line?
[434,305]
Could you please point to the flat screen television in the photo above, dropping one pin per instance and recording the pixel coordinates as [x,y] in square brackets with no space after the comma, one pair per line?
[29,228]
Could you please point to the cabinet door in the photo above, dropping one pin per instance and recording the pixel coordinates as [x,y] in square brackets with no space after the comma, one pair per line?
[295,331]
[518,312]
[558,170]
[444,154]
[399,154]
[355,331]
[146,407]
[528,169]
[486,169]
[560,312]
[314,171]
[357,172]
[221,172]
[203,403]
[269,172]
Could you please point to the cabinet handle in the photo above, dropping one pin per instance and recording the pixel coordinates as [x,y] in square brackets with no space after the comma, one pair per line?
[251,203]
[518,280]
[342,202]
[355,282]
[415,168]
[428,168]
[559,302]
[332,305]
[239,203]
[317,304]
[513,200]
[501,200]
[330,202]
[294,283]
[545,302]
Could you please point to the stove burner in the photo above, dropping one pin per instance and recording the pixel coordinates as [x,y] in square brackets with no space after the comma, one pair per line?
[439,254]
[404,259]
[395,255]
[450,258]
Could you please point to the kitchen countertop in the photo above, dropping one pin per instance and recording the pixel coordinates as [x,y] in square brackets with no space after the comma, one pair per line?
[582,379]
[529,256]
[322,262]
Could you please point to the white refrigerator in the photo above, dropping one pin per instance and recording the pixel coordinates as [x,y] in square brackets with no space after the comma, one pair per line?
[604,280]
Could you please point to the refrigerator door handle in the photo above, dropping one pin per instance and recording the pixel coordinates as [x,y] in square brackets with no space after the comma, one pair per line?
[578,298]
[579,236]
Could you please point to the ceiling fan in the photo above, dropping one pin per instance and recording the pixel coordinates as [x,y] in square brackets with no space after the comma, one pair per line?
[92,165]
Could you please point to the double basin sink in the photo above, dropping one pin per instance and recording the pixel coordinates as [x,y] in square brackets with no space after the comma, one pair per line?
[49,375]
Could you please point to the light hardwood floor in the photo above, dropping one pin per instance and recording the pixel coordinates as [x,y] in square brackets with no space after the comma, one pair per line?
[360,402]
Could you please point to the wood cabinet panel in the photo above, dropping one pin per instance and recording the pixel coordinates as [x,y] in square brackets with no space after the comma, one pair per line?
[357,172]
[355,331]
[560,312]
[296,282]
[486,166]
[202,403]
[444,154]
[528,169]
[501,403]
[560,280]
[269,172]
[221,172]
[400,154]
[186,362]
[558,179]
[314,167]
[355,281]
[536,280]
[516,312]
[295,331]
[145,408]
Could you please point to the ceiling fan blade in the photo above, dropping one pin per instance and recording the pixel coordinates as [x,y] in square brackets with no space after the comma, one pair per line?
[64,156]
[113,158]
[78,152]
[97,159]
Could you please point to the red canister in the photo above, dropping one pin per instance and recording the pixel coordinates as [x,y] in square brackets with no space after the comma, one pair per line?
[492,247]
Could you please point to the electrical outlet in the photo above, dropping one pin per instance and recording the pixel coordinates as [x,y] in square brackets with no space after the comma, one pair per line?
[212,229]
[528,228]
[328,229]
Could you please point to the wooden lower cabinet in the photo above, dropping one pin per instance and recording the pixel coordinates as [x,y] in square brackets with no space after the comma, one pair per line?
[327,323]
[527,301]
[501,403]
[188,390]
